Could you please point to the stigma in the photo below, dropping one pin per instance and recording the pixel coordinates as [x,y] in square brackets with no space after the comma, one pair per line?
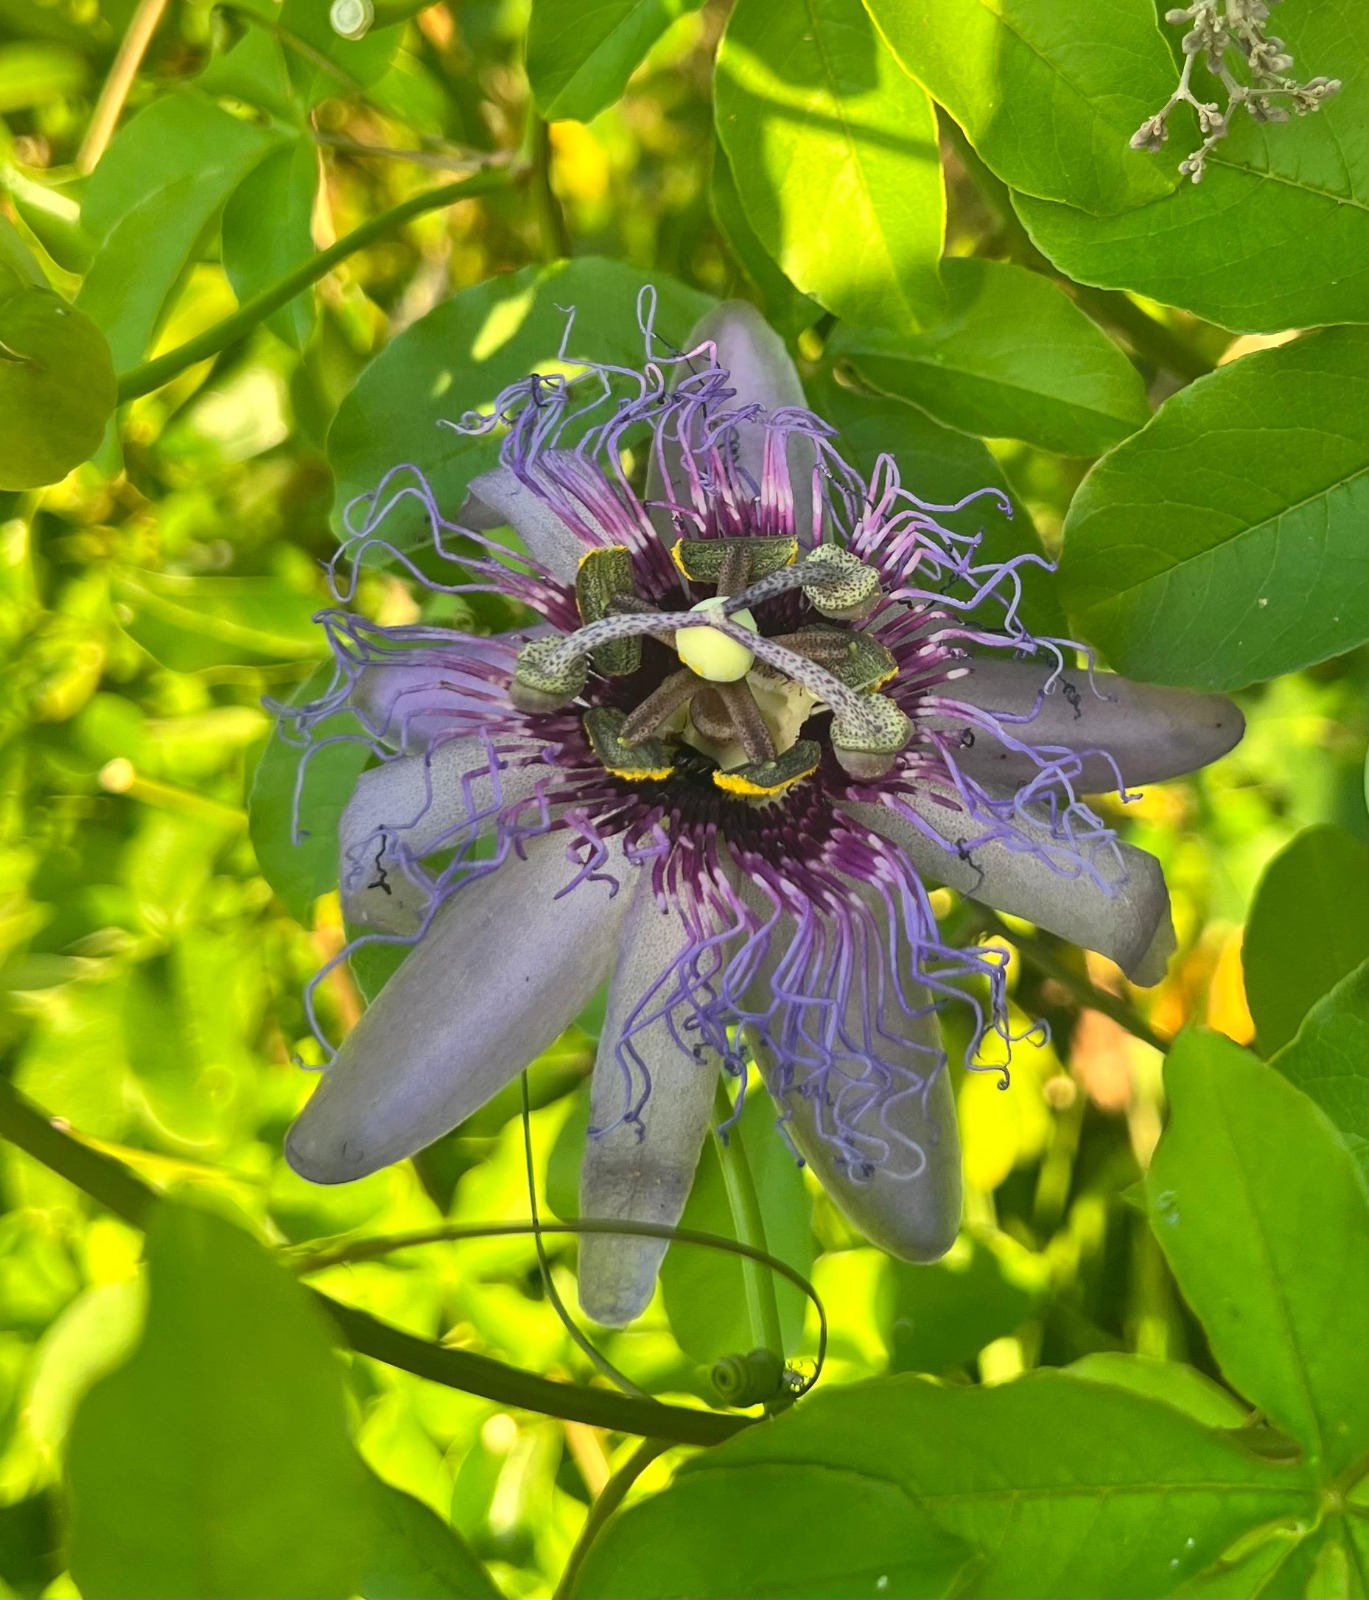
[712,655]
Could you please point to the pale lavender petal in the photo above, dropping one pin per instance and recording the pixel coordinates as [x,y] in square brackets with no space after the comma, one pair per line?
[500,498]
[652,1103]
[412,806]
[1150,732]
[1105,896]
[881,1136]
[761,374]
[418,696]
[503,970]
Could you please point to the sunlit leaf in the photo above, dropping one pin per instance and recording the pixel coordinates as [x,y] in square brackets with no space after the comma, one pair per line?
[267,233]
[833,151]
[1269,1240]
[243,1480]
[785,308]
[1277,234]
[189,623]
[1063,1487]
[56,388]
[1308,929]
[1224,542]
[150,201]
[580,55]
[417,1556]
[1329,1060]
[1049,91]
[1014,358]
[1177,1385]
[461,355]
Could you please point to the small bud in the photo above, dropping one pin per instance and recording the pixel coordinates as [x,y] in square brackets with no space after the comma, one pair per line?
[352,19]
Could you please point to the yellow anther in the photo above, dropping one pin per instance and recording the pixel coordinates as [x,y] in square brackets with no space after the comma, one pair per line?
[712,654]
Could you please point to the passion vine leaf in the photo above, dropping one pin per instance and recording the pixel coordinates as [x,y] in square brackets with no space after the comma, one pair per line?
[1063,1486]
[1047,91]
[834,153]
[1308,929]
[462,354]
[1224,543]
[1234,1212]
[785,308]
[190,623]
[415,1555]
[150,201]
[943,468]
[243,1480]
[580,56]
[57,388]
[1329,1060]
[267,232]
[1277,234]
[295,806]
[1014,358]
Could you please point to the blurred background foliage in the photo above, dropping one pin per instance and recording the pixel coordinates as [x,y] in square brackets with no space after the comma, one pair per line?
[150,979]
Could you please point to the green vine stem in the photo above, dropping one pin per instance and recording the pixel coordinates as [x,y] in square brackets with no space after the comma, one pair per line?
[151,375]
[611,1497]
[749,1222]
[113,1186]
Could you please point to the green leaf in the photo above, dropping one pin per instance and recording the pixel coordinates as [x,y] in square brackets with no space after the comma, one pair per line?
[462,354]
[1184,1387]
[254,70]
[1049,92]
[942,466]
[1064,1488]
[582,52]
[417,1556]
[1224,543]
[354,62]
[292,817]
[1277,234]
[704,1290]
[1329,1060]
[267,233]
[150,202]
[56,388]
[944,1314]
[834,153]
[1014,359]
[55,219]
[1308,929]
[190,623]
[217,1462]
[774,1530]
[1269,1240]
[785,308]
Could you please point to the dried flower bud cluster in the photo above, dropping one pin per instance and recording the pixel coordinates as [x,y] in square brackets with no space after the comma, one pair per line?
[1222,29]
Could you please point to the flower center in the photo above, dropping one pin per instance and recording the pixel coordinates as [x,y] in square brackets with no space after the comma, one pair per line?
[740,697]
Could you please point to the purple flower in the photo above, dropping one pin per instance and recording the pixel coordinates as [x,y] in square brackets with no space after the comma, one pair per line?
[767,704]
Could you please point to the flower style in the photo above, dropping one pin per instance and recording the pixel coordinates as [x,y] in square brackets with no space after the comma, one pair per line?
[767,704]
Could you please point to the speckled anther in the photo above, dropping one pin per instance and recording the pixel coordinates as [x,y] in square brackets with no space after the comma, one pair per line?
[603,581]
[546,677]
[840,585]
